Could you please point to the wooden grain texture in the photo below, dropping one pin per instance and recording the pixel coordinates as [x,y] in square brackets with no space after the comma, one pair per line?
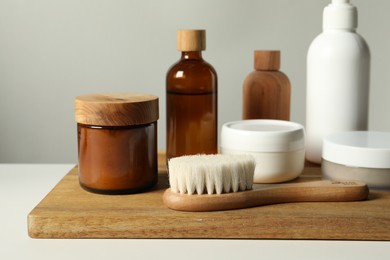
[266,95]
[70,212]
[191,40]
[267,194]
[116,109]
[266,60]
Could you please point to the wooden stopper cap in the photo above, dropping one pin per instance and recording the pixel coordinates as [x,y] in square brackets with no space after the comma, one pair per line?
[191,40]
[267,60]
[116,109]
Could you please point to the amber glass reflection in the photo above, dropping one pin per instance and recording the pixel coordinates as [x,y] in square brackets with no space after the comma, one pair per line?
[191,99]
[117,160]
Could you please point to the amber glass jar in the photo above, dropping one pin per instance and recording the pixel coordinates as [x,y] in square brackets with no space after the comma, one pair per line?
[117,142]
[191,99]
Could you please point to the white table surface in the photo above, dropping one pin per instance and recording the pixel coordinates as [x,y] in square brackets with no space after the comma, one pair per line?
[23,186]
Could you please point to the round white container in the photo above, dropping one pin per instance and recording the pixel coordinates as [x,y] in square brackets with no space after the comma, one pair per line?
[277,146]
[358,155]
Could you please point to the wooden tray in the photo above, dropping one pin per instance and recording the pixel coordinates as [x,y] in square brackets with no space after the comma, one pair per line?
[70,212]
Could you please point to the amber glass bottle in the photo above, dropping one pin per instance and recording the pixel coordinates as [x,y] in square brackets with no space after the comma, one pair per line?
[266,90]
[191,99]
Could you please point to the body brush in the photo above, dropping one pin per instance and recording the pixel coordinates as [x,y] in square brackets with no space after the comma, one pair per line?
[225,182]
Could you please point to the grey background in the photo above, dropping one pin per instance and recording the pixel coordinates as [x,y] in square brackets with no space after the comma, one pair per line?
[54,50]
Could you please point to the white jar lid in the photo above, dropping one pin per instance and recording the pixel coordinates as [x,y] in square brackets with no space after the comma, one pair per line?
[262,136]
[358,149]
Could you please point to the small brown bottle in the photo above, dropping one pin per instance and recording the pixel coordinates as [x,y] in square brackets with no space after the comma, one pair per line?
[266,91]
[191,99]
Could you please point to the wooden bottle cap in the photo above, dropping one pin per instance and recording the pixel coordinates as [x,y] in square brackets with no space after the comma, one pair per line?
[191,40]
[116,109]
[267,60]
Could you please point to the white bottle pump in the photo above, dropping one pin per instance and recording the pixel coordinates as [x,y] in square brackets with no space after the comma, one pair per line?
[340,14]
[338,64]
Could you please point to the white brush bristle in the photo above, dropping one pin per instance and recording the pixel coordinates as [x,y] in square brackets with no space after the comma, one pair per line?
[219,173]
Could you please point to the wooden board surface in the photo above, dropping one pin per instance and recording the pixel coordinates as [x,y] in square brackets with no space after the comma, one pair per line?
[70,212]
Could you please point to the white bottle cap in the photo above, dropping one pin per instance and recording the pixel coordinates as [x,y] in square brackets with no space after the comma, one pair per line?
[340,14]
[262,136]
[358,149]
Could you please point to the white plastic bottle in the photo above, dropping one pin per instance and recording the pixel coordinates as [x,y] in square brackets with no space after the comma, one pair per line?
[338,72]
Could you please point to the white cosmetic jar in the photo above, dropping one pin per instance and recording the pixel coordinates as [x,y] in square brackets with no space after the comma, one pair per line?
[278,147]
[357,155]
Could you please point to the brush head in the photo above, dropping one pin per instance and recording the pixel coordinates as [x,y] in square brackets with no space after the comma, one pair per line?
[218,173]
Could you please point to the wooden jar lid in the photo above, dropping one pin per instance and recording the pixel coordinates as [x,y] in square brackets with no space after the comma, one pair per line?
[116,109]
[267,60]
[191,40]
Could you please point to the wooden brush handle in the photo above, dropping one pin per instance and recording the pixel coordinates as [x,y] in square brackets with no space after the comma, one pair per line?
[313,191]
